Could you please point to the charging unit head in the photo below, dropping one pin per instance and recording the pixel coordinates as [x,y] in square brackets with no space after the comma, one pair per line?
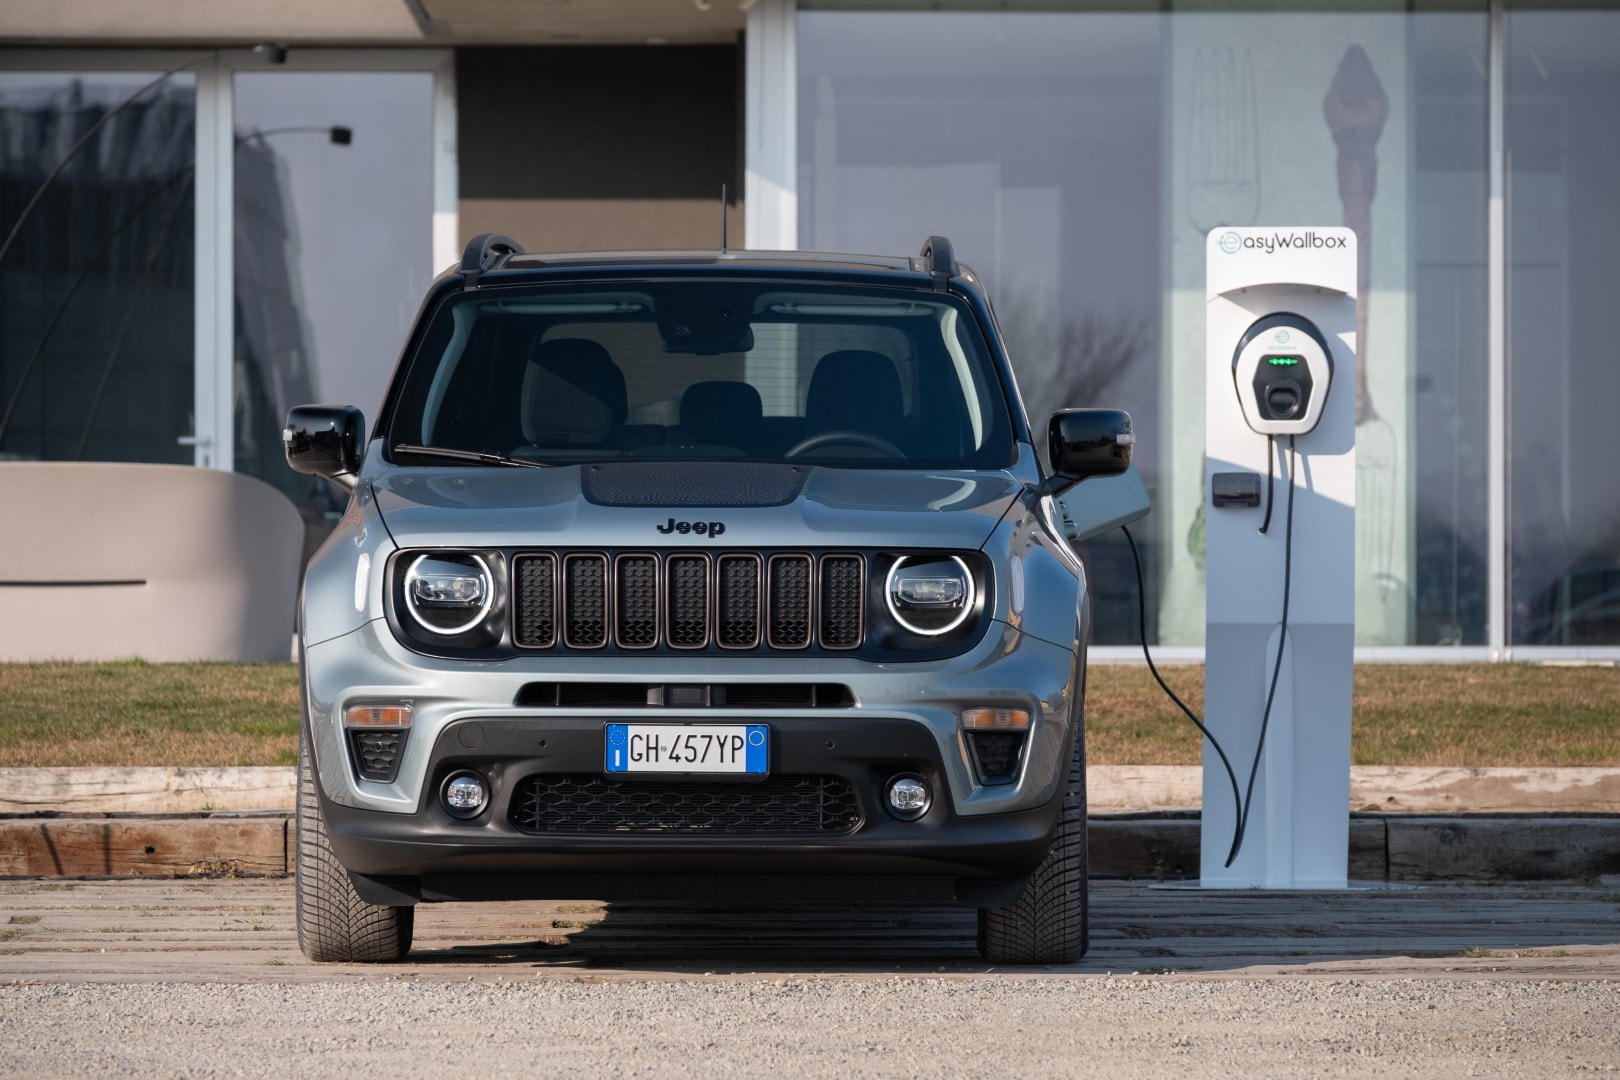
[1282,370]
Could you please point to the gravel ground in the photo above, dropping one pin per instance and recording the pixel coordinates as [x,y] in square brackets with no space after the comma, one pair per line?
[905,1026]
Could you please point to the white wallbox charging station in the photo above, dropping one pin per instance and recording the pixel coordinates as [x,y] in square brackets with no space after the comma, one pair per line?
[1280,489]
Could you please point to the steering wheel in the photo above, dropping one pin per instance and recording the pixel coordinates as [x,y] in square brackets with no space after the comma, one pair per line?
[858,438]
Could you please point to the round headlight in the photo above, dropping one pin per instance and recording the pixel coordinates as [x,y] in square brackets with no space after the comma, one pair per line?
[930,594]
[449,593]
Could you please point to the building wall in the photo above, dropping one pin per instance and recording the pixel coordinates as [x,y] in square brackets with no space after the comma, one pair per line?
[216,22]
[582,148]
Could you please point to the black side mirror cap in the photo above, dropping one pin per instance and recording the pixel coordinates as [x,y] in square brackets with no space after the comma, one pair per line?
[1087,443]
[325,440]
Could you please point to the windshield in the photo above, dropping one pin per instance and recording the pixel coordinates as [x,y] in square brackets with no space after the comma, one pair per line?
[720,370]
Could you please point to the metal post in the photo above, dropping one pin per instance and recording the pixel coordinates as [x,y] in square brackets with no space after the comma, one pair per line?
[446,217]
[212,437]
[771,178]
[1496,300]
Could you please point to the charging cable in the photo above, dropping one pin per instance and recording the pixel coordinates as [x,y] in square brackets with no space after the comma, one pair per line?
[1242,800]
[1276,668]
[1141,614]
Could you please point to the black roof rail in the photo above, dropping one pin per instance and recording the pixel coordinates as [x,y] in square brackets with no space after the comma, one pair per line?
[940,255]
[485,252]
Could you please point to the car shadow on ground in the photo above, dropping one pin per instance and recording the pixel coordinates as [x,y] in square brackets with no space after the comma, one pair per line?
[1134,928]
[722,937]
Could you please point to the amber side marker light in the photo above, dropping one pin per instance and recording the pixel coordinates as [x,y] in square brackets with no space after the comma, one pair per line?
[995,720]
[377,716]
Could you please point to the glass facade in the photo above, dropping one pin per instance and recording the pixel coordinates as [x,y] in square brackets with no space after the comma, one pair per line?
[328,165]
[1078,158]
[1076,153]
[96,287]
[1563,145]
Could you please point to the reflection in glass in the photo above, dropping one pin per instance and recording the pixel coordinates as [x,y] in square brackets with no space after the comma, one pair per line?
[1079,158]
[1563,92]
[1374,121]
[1033,142]
[96,292]
[334,209]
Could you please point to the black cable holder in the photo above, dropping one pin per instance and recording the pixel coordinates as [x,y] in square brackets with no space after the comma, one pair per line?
[1271,478]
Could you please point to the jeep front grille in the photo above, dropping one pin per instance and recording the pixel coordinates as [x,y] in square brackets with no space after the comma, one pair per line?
[535,600]
[585,616]
[688,600]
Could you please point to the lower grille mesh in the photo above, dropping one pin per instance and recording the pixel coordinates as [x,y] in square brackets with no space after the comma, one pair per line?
[592,804]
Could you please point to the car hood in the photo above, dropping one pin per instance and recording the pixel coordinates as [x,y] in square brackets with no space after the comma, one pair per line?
[718,504]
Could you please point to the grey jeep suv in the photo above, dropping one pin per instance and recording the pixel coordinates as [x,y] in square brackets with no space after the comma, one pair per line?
[700,575]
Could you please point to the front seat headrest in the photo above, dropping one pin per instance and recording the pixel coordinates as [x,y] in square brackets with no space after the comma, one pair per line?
[855,390]
[573,394]
[720,412]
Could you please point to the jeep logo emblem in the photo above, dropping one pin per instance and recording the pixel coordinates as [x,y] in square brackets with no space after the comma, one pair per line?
[699,528]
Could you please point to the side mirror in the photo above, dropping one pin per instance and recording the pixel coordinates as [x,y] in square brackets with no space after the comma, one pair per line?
[325,440]
[1087,443]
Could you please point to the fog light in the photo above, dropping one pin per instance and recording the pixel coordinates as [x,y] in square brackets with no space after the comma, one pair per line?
[465,795]
[909,797]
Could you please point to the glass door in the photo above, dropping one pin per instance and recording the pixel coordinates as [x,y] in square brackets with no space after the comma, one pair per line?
[333,215]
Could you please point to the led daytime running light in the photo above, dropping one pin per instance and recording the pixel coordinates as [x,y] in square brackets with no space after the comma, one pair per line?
[915,600]
[439,582]
[930,591]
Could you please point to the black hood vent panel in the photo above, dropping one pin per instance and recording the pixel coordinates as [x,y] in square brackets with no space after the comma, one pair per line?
[711,484]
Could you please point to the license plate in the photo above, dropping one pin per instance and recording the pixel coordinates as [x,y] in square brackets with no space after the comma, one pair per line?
[688,748]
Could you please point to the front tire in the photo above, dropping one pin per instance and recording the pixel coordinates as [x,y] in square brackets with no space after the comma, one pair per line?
[334,924]
[1047,924]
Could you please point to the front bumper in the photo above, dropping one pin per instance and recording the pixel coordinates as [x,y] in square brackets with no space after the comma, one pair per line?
[976,845]
[942,856]
[1004,669]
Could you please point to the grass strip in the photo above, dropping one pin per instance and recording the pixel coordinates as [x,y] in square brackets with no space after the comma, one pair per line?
[1470,715]
[136,714]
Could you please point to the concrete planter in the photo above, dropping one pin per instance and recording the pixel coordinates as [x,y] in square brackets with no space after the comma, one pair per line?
[112,561]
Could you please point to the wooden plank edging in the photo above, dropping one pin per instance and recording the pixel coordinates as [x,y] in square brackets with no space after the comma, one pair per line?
[118,847]
[1382,848]
[176,790]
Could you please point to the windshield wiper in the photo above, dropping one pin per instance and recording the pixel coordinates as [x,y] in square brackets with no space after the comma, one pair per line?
[476,457]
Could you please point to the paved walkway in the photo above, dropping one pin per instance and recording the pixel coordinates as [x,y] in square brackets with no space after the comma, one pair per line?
[241,930]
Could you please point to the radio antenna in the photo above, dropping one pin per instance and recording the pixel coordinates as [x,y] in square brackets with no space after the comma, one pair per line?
[723,219]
